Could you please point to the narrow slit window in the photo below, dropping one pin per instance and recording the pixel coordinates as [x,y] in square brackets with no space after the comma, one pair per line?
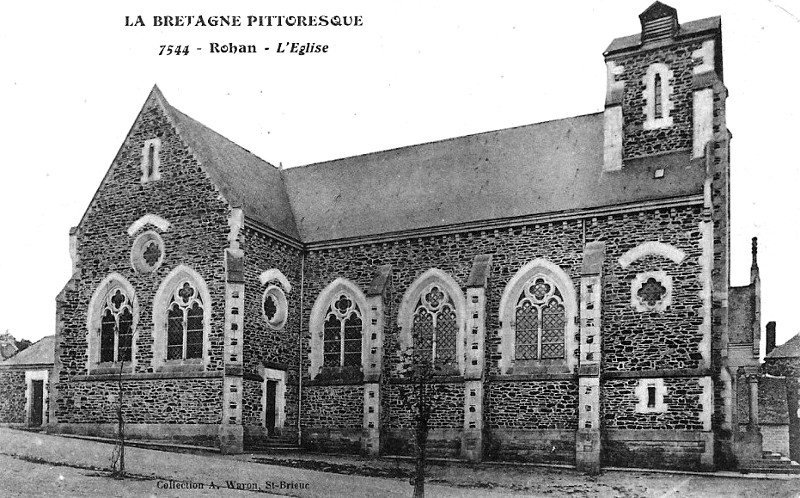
[651,396]
[658,111]
[151,158]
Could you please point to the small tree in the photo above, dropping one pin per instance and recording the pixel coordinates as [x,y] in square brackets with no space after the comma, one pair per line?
[420,369]
[118,455]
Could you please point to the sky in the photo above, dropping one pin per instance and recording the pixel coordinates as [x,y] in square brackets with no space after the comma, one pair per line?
[74,77]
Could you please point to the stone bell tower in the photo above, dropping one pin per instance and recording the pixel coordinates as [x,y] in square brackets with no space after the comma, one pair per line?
[659,97]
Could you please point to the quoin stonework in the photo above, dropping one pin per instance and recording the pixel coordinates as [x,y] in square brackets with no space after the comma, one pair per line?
[570,278]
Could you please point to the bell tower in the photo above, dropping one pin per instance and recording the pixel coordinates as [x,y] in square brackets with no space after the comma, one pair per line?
[659,97]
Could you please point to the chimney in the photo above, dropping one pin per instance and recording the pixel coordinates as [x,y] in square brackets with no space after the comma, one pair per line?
[754,264]
[770,337]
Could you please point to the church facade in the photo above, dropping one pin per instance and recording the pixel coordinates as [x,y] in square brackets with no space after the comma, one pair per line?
[568,278]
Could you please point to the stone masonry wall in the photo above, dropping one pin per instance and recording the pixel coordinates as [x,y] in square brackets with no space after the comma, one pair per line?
[161,401]
[637,141]
[12,396]
[334,407]
[642,341]
[262,343]
[447,403]
[251,403]
[683,399]
[188,200]
[632,341]
[532,405]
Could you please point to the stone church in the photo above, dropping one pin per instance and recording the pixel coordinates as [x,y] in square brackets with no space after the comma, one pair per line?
[570,278]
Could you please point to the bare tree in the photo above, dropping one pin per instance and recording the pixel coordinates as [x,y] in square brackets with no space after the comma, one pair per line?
[420,369]
[118,455]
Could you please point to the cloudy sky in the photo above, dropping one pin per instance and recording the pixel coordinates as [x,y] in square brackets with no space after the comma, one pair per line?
[74,77]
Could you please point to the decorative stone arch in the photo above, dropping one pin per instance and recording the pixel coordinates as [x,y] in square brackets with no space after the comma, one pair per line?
[275,275]
[514,288]
[148,219]
[317,319]
[652,248]
[109,285]
[420,286]
[273,298]
[161,302]
[654,94]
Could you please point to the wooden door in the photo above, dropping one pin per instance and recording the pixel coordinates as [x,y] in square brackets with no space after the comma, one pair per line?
[270,415]
[37,402]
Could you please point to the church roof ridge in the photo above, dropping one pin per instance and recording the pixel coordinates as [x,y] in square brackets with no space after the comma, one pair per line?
[442,140]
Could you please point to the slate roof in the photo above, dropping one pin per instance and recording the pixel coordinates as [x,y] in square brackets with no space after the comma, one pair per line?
[545,168]
[40,352]
[741,314]
[789,349]
[550,167]
[242,177]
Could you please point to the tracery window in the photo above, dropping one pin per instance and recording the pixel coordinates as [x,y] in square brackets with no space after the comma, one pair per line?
[540,321]
[341,333]
[651,292]
[185,323]
[116,328]
[274,307]
[435,327]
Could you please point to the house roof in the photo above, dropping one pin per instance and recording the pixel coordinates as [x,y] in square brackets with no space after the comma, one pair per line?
[40,352]
[550,167]
[789,349]
[741,314]
[243,178]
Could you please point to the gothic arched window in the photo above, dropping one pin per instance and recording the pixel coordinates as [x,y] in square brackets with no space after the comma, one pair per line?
[540,321]
[185,324]
[341,333]
[116,328]
[435,327]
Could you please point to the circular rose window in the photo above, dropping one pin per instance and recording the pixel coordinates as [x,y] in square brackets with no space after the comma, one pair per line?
[147,252]
[274,307]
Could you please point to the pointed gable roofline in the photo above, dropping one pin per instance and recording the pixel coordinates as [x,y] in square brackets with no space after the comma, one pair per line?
[789,349]
[242,178]
[657,10]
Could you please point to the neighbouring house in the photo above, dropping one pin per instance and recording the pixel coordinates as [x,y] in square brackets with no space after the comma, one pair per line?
[783,363]
[570,278]
[24,385]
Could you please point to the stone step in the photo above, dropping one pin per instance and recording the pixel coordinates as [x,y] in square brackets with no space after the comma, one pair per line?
[274,443]
[272,449]
[768,463]
[792,469]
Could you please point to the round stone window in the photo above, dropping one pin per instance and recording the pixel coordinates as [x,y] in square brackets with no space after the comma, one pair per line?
[147,252]
[274,307]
